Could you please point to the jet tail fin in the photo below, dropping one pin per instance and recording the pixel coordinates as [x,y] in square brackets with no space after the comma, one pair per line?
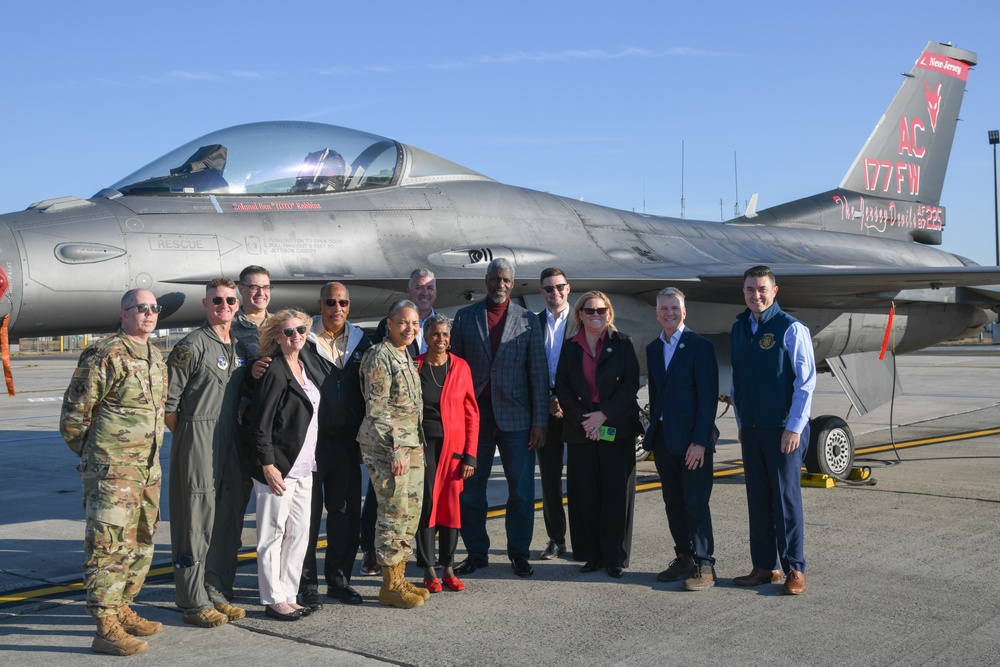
[893,188]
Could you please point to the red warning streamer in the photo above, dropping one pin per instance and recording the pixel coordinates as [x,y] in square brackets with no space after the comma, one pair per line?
[5,355]
[888,330]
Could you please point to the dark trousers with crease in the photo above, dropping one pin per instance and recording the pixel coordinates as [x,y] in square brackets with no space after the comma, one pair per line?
[685,497]
[600,485]
[550,469]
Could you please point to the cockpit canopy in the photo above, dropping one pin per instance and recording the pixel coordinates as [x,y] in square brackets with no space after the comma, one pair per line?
[276,158]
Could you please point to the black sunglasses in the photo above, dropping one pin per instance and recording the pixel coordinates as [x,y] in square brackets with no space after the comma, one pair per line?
[231,300]
[598,311]
[548,288]
[289,332]
[146,308]
[344,303]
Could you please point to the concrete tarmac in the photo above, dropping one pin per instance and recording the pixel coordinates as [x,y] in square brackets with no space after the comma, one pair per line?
[898,573]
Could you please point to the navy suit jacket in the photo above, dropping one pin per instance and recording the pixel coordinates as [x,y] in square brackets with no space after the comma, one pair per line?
[685,395]
[519,374]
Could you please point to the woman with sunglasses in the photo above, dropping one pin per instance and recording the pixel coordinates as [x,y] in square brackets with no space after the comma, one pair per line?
[285,428]
[596,382]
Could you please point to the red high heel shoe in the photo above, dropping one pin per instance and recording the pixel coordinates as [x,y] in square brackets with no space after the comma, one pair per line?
[454,584]
[433,585]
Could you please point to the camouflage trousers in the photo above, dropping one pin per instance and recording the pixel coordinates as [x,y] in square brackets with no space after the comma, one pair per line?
[399,499]
[121,520]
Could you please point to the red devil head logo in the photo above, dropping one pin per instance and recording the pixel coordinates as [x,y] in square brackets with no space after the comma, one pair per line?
[933,103]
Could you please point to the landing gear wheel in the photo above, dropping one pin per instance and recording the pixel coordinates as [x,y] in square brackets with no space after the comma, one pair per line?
[640,453]
[831,447]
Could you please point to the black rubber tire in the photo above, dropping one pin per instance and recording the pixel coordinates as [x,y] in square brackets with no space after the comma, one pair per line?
[831,447]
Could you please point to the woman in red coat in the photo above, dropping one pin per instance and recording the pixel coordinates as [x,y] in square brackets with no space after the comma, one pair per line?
[451,432]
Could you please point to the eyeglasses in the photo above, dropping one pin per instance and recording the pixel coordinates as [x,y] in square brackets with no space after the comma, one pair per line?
[231,300]
[146,308]
[289,332]
[258,288]
[343,303]
[595,311]
[548,288]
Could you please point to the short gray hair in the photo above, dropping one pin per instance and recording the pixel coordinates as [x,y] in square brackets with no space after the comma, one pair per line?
[422,272]
[671,291]
[434,320]
[500,264]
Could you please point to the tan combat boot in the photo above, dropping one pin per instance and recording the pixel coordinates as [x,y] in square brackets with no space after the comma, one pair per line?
[136,625]
[392,593]
[411,587]
[112,639]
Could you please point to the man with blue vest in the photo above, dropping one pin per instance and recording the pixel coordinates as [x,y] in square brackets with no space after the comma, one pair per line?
[774,375]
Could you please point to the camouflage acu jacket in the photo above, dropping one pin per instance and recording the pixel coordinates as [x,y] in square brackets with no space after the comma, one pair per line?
[112,413]
[393,405]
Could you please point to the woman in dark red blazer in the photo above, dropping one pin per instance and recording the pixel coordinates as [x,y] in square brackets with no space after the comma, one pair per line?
[596,382]
[451,432]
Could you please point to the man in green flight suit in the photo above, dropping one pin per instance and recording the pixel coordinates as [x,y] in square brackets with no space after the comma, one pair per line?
[206,510]
[112,417]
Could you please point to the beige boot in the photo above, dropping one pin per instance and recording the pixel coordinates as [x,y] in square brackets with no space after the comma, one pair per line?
[136,625]
[409,586]
[392,593]
[112,639]
[231,612]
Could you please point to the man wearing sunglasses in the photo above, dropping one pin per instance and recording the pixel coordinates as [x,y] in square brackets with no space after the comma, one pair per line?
[505,349]
[554,290]
[206,494]
[112,418]
[332,354]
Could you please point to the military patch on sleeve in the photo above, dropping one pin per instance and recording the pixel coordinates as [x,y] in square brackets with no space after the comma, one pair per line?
[80,384]
[180,357]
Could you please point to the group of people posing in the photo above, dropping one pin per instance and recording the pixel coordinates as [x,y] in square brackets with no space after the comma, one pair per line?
[285,407]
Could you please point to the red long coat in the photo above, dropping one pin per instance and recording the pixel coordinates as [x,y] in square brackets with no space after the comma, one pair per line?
[460,419]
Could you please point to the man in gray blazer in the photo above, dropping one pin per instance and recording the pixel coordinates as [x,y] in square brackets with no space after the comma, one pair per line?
[505,348]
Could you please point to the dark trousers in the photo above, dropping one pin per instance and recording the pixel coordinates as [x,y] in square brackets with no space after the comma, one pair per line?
[519,469]
[550,469]
[448,537]
[369,514]
[600,486]
[774,498]
[685,497]
[337,486]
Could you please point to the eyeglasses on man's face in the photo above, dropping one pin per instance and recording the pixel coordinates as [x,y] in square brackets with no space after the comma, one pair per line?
[146,308]
[231,300]
[289,332]
[548,288]
[258,288]
[343,303]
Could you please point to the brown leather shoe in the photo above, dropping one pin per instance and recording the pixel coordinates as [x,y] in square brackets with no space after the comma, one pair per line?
[795,583]
[758,576]
[701,577]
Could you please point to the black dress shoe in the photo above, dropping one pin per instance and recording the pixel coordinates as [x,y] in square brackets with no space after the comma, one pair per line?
[522,567]
[591,566]
[471,564]
[553,550]
[312,600]
[279,616]
[615,571]
[345,594]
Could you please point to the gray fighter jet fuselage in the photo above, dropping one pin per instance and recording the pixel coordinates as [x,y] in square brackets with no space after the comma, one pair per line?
[314,203]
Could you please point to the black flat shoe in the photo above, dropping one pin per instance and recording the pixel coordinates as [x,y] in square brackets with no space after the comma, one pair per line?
[615,571]
[522,567]
[278,616]
[471,564]
[345,594]
[311,600]
[590,566]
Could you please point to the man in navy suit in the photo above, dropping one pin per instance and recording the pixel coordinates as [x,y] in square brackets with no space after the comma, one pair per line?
[504,347]
[683,395]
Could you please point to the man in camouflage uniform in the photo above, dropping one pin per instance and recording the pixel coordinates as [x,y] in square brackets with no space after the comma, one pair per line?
[391,439]
[112,417]
[206,511]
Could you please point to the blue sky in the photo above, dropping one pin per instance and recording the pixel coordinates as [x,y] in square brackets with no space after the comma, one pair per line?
[583,99]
